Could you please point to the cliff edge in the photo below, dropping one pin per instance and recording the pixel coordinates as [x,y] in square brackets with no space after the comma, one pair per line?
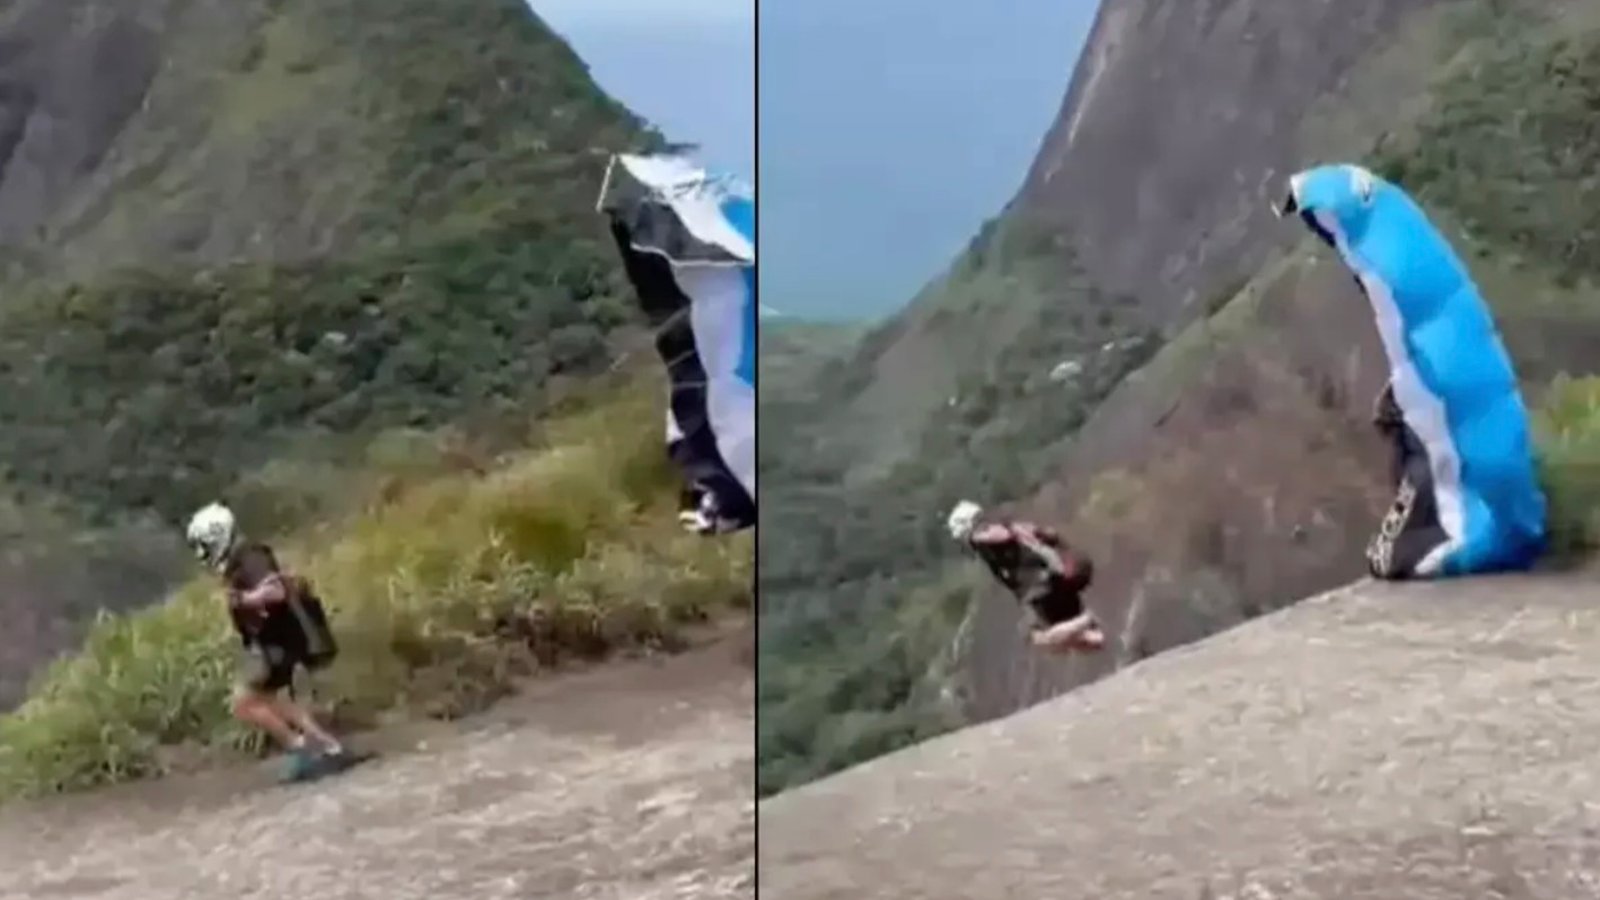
[1423,741]
[1136,352]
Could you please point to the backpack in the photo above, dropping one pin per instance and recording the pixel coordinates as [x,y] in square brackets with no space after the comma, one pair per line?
[321,648]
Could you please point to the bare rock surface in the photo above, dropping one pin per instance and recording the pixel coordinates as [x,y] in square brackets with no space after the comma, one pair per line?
[1422,741]
[629,781]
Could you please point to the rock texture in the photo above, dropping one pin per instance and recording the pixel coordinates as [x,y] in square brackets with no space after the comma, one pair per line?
[1382,741]
[1248,474]
[1180,120]
[633,782]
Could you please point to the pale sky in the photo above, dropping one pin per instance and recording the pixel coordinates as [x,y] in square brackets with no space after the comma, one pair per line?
[688,66]
[680,10]
[893,127]
[890,130]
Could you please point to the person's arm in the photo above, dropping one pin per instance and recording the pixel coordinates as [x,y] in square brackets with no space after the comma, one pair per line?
[991,534]
[1048,544]
[269,590]
[1047,535]
[268,587]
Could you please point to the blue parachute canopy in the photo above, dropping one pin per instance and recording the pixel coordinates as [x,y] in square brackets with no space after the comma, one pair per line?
[1451,379]
[687,240]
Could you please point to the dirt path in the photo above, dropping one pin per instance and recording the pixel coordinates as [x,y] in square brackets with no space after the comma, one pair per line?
[1427,742]
[633,781]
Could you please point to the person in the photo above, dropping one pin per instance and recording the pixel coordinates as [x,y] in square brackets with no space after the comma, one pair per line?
[697,509]
[279,629]
[1410,529]
[701,510]
[1042,572]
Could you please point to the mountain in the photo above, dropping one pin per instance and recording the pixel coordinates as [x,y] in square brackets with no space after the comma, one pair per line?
[241,241]
[1136,351]
[708,47]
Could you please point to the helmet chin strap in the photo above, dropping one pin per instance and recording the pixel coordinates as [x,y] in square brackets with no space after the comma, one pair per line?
[215,556]
[226,550]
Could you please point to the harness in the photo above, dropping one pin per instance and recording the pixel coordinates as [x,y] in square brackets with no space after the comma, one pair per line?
[1024,562]
[301,610]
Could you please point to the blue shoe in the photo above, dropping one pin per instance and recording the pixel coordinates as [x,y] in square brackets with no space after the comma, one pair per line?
[300,765]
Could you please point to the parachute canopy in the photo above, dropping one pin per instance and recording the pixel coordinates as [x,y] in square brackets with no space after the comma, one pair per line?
[687,240]
[1471,501]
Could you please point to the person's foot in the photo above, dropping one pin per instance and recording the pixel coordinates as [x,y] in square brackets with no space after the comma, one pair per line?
[1066,638]
[299,765]
[1091,638]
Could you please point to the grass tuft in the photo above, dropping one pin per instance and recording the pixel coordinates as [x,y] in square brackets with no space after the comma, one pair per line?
[441,597]
[1567,428]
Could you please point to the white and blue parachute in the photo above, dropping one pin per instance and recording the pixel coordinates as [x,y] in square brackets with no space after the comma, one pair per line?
[687,240]
[1451,378]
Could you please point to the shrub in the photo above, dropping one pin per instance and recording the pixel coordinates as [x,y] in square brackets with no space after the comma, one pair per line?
[1567,427]
[440,597]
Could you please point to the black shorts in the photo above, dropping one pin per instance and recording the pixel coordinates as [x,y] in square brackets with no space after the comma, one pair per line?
[268,667]
[1054,601]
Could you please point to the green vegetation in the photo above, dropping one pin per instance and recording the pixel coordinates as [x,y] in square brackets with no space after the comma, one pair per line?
[1508,148]
[469,265]
[840,687]
[1567,427]
[794,352]
[302,129]
[323,227]
[218,370]
[859,601]
[1507,152]
[441,596]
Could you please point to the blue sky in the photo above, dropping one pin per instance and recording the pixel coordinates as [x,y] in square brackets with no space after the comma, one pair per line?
[890,129]
[686,65]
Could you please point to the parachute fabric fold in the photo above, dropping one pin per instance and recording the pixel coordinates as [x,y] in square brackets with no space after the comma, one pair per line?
[1474,503]
[687,240]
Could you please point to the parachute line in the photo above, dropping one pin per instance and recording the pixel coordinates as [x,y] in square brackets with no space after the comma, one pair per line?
[687,244]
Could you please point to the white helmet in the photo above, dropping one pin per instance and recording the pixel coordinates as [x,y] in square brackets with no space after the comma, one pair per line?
[211,534]
[962,519]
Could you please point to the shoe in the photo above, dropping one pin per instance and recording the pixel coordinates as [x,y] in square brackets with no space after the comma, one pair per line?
[334,759]
[300,765]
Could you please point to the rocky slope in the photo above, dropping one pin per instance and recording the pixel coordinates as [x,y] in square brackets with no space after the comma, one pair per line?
[204,131]
[1228,469]
[627,782]
[1427,741]
[1180,123]
[1237,471]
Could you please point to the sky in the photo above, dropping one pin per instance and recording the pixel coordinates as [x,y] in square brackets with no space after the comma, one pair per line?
[890,130]
[688,66]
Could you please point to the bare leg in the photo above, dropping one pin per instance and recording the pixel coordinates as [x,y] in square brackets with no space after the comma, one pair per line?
[1080,633]
[297,715]
[258,709]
